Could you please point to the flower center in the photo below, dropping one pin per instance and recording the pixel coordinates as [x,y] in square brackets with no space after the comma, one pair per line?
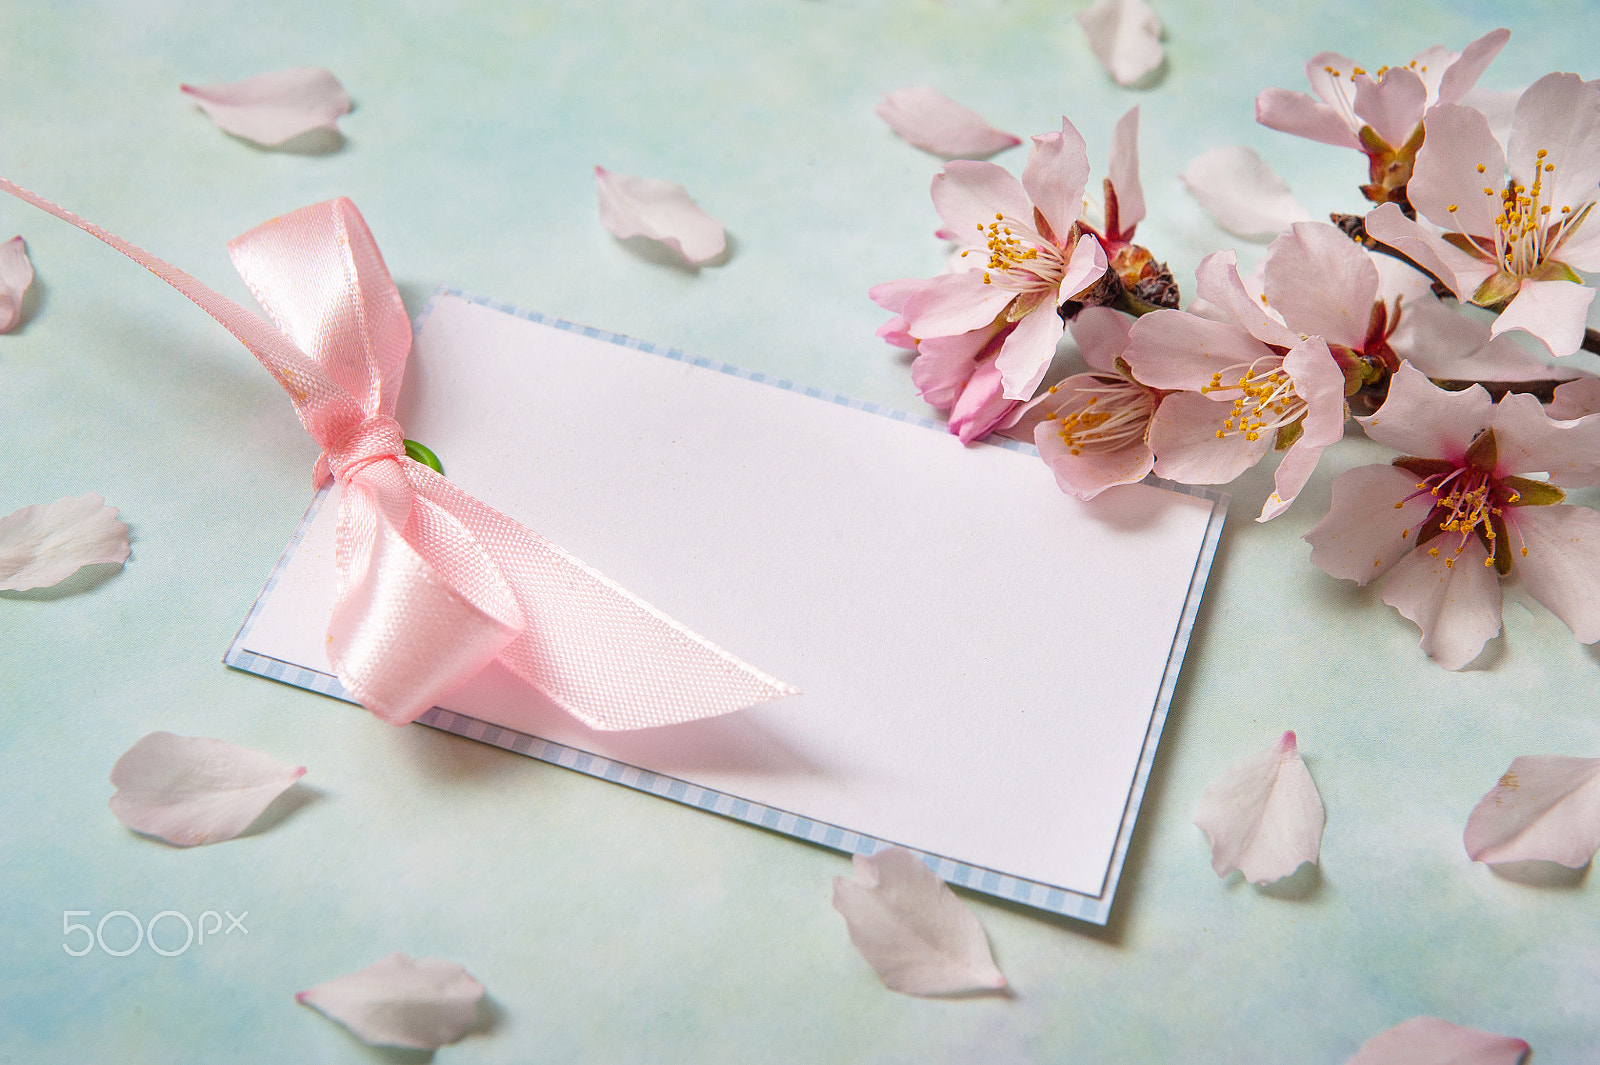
[1107,416]
[1530,226]
[1266,401]
[1019,257]
[1468,501]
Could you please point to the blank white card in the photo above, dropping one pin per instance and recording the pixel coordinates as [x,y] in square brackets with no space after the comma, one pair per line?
[986,662]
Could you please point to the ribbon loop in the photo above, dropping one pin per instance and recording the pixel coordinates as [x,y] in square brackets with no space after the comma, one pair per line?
[375,438]
[433,584]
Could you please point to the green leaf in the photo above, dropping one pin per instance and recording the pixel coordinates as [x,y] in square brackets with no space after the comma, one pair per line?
[422,454]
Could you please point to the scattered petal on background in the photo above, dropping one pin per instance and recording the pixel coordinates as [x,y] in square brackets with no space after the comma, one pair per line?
[1125,36]
[272,108]
[45,544]
[190,790]
[1236,187]
[1430,1041]
[1263,815]
[417,1004]
[1545,808]
[928,119]
[912,929]
[16,274]
[660,210]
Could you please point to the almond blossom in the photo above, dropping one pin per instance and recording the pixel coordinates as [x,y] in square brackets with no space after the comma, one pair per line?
[1379,114]
[1457,512]
[1091,429]
[1514,217]
[1246,381]
[1024,251]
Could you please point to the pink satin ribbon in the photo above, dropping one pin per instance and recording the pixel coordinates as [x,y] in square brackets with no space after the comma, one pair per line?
[432,584]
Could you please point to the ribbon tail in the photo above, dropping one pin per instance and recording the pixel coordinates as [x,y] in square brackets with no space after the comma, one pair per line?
[598,651]
[315,396]
[421,607]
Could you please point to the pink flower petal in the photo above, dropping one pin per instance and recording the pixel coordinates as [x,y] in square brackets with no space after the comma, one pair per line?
[16,274]
[1124,173]
[1420,418]
[1462,74]
[1263,815]
[417,1004]
[1236,187]
[1322,283]
[1562,566]
[1444,343]
[951,304]
[1446,173]
[928,119]
[1219,287]
[1392,105]
[1460,272]
[1102,335]
[1453,598]
[190,790]
[1528,441]
[911,928]
[44,544]
[1545,808]
[981,407]
[272,108]
[1303,116]
[1430,1041]
[969,194]
[1558,114]
[1576,398]
[1176,350]
[1361,537]
[944,364]
[1026,354]
[1554,312]
[660,210]
[1055,177]
[1125,36]
[1188,449]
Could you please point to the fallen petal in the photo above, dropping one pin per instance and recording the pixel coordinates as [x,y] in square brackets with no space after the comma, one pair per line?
[1430,1041]
[928,119]
[1546,808]
[660,210]
[1125,35]
[912,929]
[1235,186]
[16,274]
[44,544]
[190,790]
[1263,815]
[272,108]
[417,1004]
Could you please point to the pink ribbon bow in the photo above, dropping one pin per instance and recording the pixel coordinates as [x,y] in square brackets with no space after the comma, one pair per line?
[432,584]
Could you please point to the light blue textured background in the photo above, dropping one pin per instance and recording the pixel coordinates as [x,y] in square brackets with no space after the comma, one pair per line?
[608,925]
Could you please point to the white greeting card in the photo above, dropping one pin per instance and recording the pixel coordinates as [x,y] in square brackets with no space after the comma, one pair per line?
[985,662]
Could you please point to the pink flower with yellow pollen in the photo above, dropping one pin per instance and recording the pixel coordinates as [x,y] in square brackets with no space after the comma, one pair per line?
[1513,217]
[1024,251]
[1242,381]
[1091,428]
[1446,521]
[1378,113]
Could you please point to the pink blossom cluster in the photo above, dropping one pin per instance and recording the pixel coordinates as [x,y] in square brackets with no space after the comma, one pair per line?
[1368,317]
